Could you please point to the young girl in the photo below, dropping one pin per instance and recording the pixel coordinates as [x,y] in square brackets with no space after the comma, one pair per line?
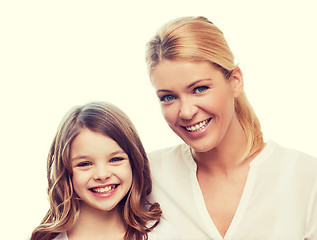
[99,180]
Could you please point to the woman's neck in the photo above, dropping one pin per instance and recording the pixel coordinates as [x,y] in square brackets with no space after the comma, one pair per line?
[96,224]
[227,155]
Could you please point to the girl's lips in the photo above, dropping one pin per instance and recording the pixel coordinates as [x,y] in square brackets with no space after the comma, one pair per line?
[104,189]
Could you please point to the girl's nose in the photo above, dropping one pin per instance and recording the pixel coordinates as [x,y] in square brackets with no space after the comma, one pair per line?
[102,173]
[187,109]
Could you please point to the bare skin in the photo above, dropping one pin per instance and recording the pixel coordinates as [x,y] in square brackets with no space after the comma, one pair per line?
[222,175]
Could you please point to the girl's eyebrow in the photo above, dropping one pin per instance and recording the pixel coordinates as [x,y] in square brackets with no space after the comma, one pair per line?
[118,152]
[80,157]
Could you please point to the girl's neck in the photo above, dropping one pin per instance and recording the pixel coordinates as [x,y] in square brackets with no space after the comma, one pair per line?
[96,224]
[227,155]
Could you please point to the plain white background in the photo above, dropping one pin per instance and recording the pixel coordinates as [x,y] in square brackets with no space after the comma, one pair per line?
[57,54]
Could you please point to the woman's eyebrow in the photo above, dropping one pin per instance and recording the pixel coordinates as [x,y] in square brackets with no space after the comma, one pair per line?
[164,90]
[198,81]
[189,86]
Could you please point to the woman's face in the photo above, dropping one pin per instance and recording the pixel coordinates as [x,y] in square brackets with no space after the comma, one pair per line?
[197,101]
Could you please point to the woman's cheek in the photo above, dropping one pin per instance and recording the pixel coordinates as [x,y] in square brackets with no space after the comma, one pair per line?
[169,113]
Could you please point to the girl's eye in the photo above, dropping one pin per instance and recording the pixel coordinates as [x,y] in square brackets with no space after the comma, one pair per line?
[200,89]
[84,164]
[116,159]
[167,98]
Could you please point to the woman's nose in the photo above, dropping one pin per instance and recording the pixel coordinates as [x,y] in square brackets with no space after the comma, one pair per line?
[187,109]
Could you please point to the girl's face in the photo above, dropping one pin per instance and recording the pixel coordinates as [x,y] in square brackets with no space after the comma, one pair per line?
[102,173]
[197,101]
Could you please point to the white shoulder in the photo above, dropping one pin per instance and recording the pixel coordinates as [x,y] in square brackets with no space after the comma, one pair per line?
[172,155]
[305,164]
[164,231]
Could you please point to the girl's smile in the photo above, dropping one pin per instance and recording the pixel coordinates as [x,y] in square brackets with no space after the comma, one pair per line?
[104,191]
[102,173]
[99,179]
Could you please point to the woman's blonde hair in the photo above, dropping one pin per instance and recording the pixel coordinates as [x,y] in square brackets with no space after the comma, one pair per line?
[137,211]
[197,39]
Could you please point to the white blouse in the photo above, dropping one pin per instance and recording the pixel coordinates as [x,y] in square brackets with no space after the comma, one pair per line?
[279,201]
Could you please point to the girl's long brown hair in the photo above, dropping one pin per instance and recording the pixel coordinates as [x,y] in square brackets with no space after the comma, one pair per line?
[138,213]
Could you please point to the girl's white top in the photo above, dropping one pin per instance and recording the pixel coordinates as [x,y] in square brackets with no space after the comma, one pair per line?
[163,231]
[279,201]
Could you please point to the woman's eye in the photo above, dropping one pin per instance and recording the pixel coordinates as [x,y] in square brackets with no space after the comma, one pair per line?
[84,164]
[200,89]
[167,98]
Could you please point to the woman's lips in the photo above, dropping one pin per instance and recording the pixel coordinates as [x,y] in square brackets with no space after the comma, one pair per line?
[198,126]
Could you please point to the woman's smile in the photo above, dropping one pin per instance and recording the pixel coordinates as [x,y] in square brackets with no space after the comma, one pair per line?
[197,101]
[198,127]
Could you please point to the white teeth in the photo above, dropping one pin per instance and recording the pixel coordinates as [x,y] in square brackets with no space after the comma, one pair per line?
[104,189]
[197,127]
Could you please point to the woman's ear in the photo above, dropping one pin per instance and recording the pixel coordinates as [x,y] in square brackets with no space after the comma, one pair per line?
[237,82]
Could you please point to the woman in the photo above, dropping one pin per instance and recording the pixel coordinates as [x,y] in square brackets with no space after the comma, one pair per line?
[224,182]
